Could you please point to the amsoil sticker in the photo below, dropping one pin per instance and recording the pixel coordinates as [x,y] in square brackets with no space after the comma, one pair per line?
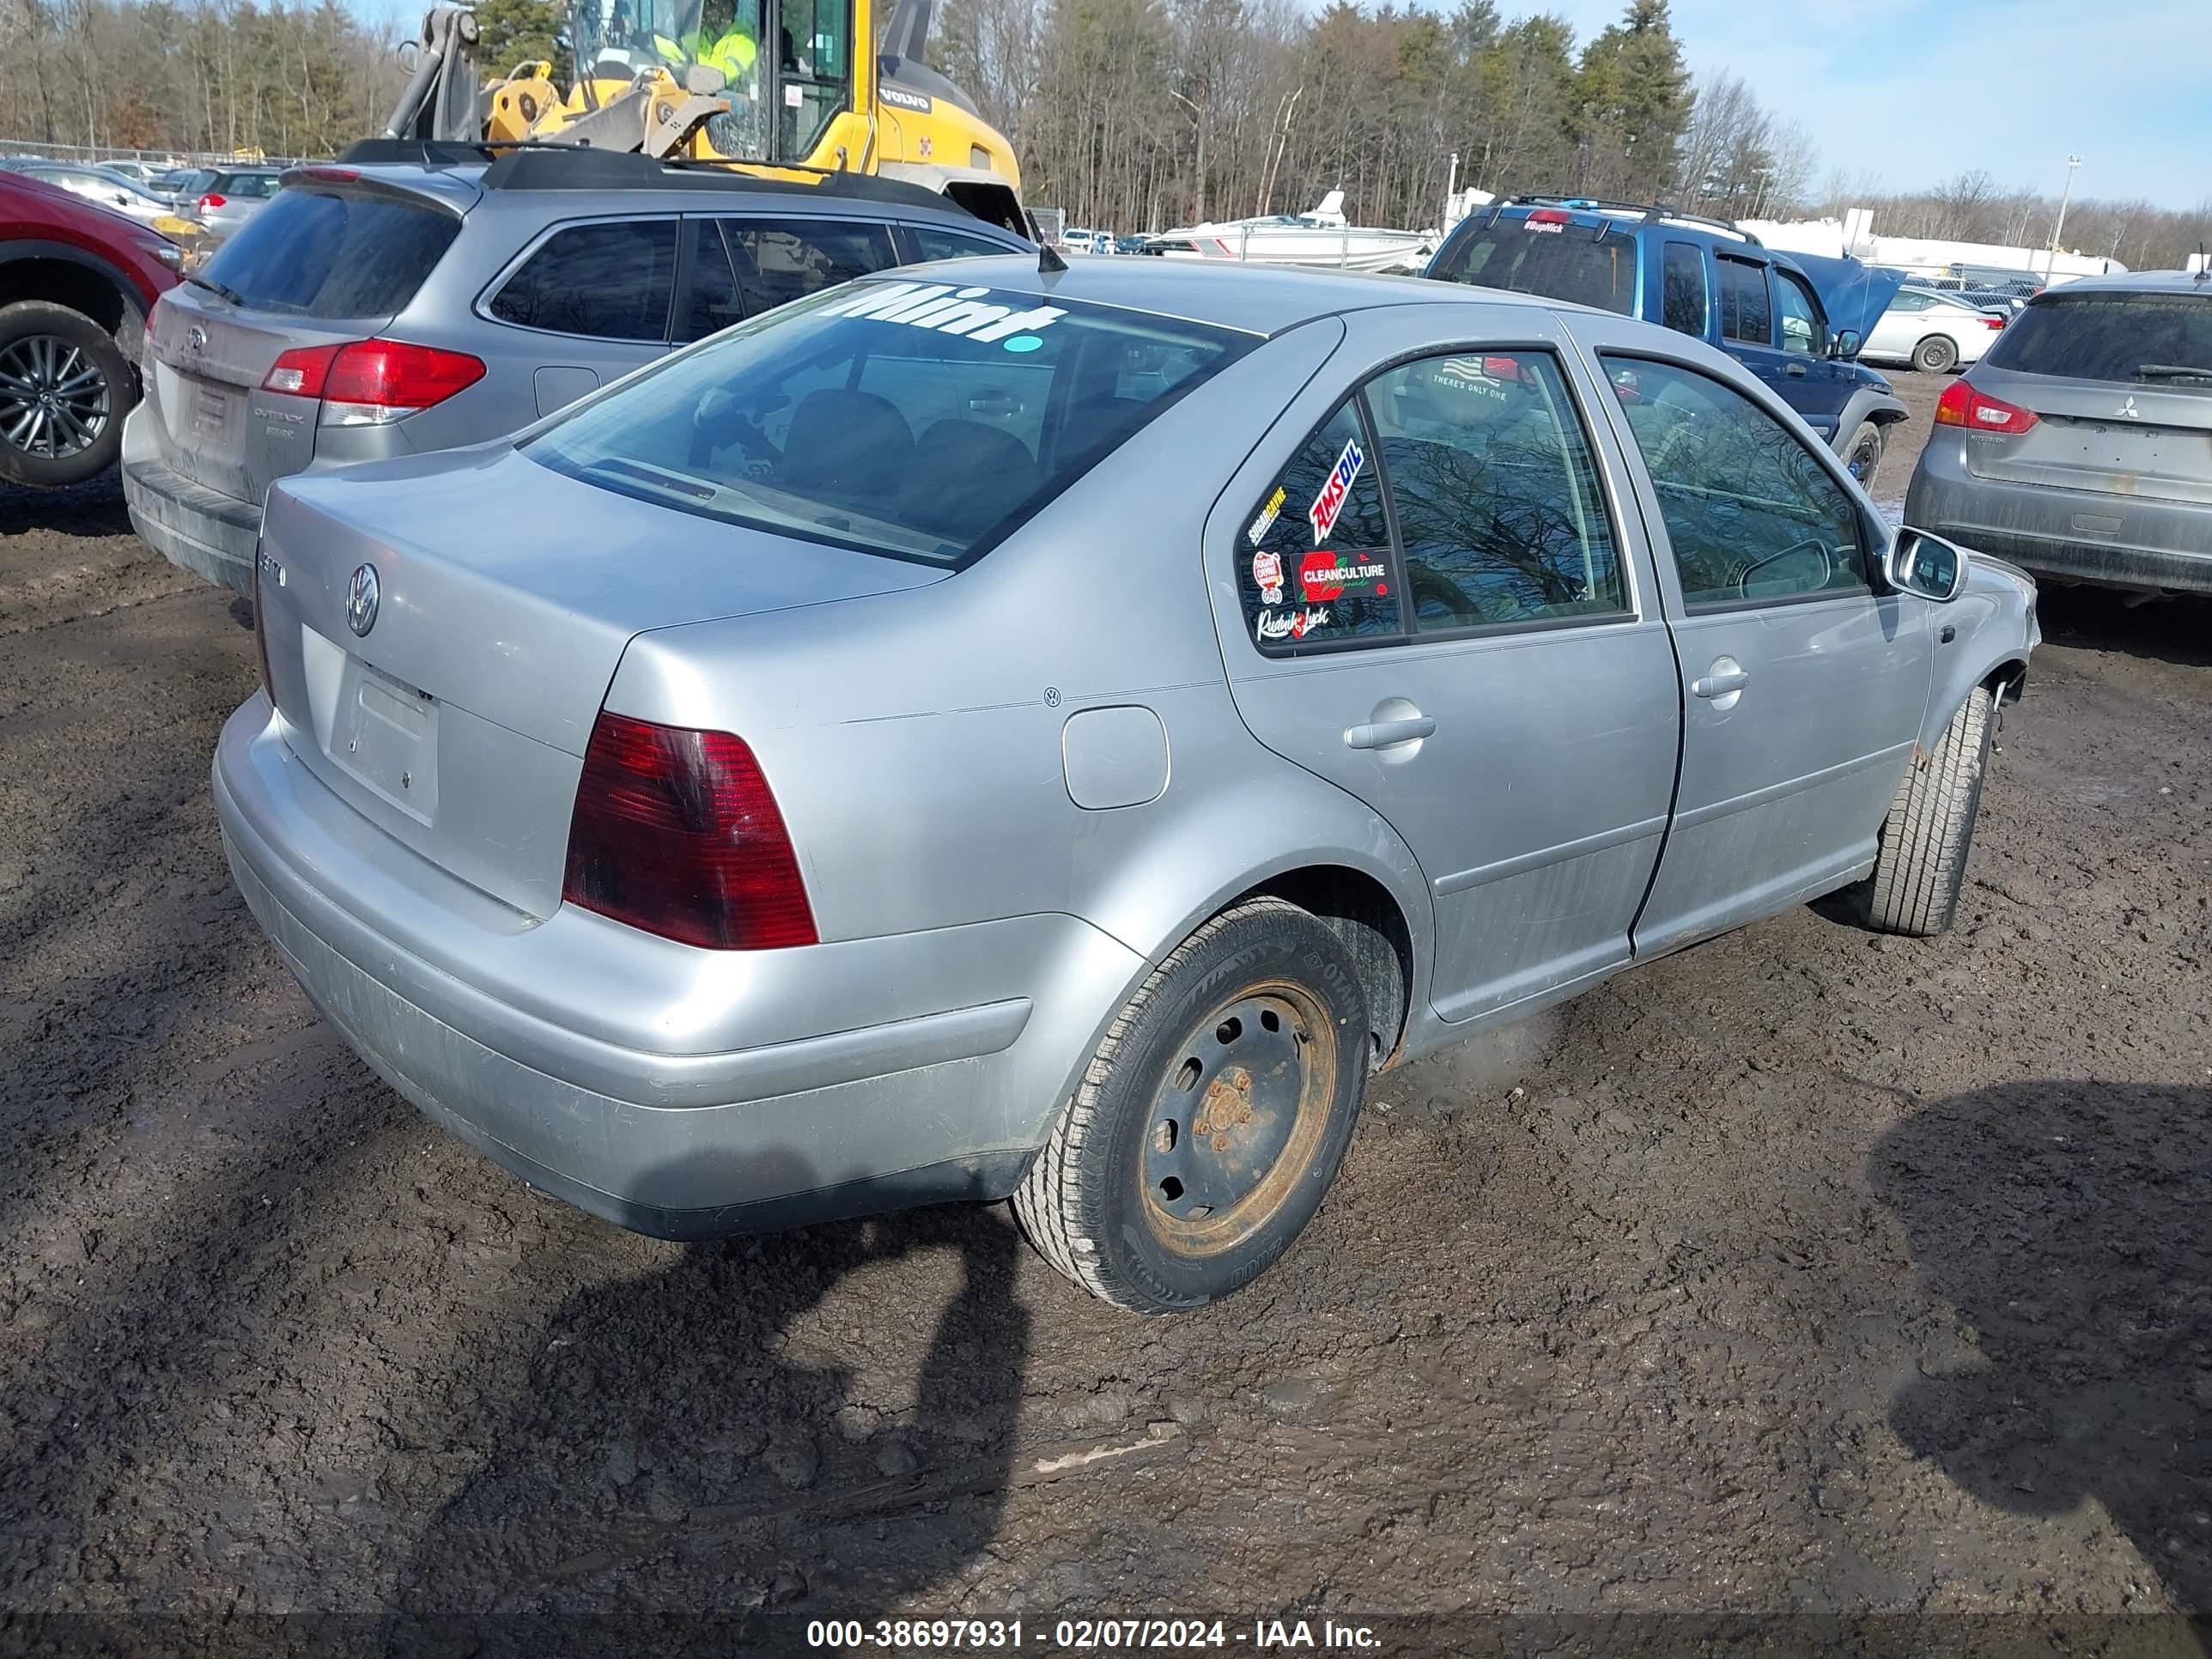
[1268,573]
[1290,625]
[1328,576]
[1265,521]
[1330,502]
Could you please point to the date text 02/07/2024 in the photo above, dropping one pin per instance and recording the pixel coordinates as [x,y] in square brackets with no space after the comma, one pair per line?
[1091,1635]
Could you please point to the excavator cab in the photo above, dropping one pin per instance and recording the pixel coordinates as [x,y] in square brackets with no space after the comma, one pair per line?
[804,86]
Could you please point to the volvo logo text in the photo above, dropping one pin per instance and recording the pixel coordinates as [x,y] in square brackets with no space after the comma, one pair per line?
[360,600]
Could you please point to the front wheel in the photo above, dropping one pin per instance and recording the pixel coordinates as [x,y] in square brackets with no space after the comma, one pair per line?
[1936,355]
[65,389]
[1863,455]
[1930,828]
[1212,1118]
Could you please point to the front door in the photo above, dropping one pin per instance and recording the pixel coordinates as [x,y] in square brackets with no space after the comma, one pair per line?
[1803,688]
[1435,610]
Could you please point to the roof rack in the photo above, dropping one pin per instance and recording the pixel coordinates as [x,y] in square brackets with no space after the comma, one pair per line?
[1642,210]
[580,167]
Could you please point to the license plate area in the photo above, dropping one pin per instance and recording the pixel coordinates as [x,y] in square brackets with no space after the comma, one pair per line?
[385,734]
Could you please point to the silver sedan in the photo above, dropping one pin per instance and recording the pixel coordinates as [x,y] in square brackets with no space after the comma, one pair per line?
[980,732]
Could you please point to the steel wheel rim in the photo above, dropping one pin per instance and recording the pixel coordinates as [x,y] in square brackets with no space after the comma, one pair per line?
[1237,1118]
[54,397]
[1864,461]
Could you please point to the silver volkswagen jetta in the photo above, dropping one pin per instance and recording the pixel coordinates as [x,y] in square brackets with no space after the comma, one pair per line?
[991,732]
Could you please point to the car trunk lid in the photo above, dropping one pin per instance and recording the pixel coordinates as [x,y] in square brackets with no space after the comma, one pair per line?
[333,258]
[504,596]
[2139,440]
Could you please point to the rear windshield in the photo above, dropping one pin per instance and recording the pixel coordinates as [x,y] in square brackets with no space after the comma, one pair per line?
[336,253]
[902,418]
[2145,339]
[1560,262]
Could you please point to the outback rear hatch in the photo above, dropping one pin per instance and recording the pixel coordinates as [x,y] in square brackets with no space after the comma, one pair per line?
[2119,386]
[504,595]
[332,258]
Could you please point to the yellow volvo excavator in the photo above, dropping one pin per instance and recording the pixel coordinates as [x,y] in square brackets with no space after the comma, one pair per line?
[788,87]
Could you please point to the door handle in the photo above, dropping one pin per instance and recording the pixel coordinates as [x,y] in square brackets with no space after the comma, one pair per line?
[1798,370]
[1722,681]
[1386,734]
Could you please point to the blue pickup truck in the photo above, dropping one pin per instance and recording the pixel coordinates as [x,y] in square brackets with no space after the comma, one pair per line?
[1794,320]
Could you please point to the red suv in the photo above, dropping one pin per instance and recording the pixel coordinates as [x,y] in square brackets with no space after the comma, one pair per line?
[76,285]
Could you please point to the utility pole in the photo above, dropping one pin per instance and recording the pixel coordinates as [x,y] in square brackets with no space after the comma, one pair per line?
[2051,265]
[1451,189]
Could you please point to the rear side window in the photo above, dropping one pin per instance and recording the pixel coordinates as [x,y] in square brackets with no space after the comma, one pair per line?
[334,254]
[2143,339]
[610,281]
[936,242]
[1745,314]
[779,261]
[1314,567]
[1684,300]
[914,419]
[1495,491]
[1560,262]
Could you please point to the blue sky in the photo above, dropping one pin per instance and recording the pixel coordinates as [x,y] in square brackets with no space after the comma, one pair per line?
[1917,91]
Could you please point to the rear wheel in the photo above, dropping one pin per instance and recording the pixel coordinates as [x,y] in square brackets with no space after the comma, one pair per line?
[1212,1118]
[1937,355]
[1930,828]
[64,391]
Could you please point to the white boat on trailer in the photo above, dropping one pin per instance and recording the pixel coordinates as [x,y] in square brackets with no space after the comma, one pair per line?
[1322,238]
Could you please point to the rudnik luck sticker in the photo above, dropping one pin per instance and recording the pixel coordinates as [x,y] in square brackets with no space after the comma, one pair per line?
[1330,502]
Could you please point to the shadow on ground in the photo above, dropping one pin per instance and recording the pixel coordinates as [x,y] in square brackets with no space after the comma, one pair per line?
[2076,1241]
[2177,630]
[693,1467]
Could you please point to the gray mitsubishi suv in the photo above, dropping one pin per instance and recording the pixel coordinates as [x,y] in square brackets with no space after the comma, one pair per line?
[2080,446]
[386,306]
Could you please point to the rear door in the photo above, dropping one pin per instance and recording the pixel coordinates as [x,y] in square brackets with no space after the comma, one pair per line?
[589,301]
[2121,387]
[1426,596]
[1802,689]
[322,265]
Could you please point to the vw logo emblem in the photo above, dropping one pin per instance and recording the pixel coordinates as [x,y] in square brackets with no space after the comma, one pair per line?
[360,600]
[195,338]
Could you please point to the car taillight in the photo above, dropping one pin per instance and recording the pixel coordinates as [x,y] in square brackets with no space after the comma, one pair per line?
[1993,322]
[676,832]
[212,200]
[1962,405]
[370,382]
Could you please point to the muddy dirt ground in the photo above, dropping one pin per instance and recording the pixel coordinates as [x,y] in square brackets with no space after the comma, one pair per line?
[1804,1276]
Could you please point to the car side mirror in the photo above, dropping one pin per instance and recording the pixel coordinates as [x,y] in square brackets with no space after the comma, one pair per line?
[1918,563]
[1846,343]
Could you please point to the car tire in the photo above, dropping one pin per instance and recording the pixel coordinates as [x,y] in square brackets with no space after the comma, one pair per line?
[60,375]
[1863,455]
[1142,1198]
[1937,355]
[1930,828]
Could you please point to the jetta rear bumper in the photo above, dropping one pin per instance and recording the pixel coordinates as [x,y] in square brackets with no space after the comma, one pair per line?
[820,1117]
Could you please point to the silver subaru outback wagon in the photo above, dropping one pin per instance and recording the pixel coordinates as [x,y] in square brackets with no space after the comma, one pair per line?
[388,307]
[1053,735]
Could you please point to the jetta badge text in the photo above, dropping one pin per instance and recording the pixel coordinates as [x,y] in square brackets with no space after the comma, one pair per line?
[360,599]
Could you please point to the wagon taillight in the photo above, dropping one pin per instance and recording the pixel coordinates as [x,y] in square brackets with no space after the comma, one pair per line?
[677,833]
